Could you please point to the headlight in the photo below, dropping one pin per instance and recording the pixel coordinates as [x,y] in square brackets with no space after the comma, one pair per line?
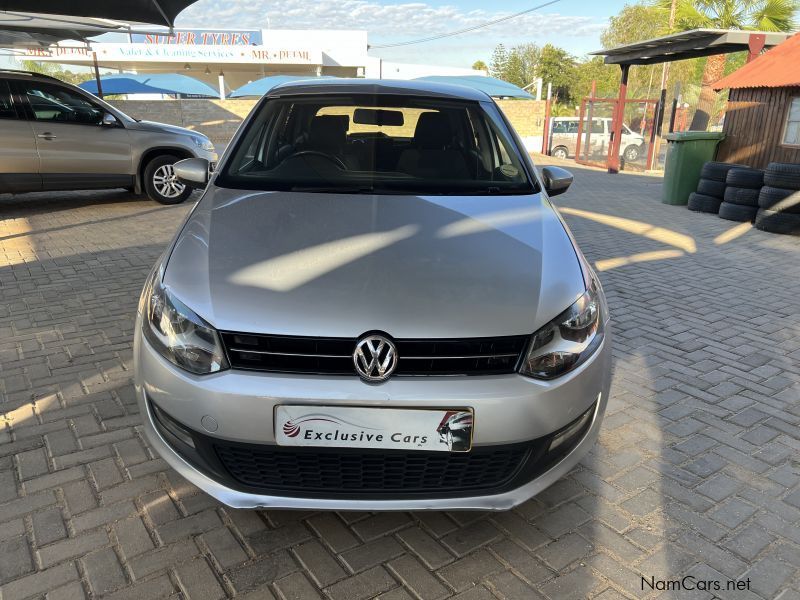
[569,339]
[177,332]
[203,142]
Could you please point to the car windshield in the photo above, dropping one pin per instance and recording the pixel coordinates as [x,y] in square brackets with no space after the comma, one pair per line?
[376,144]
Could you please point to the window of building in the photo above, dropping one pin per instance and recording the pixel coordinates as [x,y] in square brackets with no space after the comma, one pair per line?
[791,135]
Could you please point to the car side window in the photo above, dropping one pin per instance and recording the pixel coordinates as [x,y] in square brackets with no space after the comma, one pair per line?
[7,108]
[55,103]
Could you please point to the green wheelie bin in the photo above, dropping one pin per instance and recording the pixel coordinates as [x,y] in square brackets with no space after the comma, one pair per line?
[687,152]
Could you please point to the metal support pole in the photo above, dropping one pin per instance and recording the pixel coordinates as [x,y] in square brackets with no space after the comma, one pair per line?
[547,127]
[97,75]
[221,82]
[675,100]
[619,114]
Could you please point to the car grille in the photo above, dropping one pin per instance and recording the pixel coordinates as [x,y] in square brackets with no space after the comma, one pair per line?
[336,471]
[334,356]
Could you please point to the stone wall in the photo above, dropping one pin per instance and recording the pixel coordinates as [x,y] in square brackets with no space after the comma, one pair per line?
[218,119]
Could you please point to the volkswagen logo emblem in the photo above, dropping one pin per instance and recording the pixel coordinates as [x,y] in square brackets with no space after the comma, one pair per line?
[375,358]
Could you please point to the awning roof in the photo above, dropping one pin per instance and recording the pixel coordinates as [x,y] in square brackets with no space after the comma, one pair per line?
[776,68]
[687,44]
[259,87]
[25,30]
[492,86]
[160,83]
[160,12]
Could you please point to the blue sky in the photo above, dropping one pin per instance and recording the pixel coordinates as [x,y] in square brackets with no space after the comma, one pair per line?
[573,24]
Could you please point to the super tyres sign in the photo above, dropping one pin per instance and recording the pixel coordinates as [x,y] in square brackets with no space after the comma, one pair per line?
[202,37]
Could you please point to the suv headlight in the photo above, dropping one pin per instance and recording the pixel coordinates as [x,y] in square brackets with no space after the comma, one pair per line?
[203,142]
[177,332]
[569,339]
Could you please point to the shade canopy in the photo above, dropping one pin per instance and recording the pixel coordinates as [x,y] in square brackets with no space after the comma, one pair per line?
[25,30]
[494,87]
[159,12]
[158,83]
[687,44]
[259,87]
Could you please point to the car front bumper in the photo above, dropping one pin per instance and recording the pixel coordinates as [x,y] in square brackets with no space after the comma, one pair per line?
[508,410]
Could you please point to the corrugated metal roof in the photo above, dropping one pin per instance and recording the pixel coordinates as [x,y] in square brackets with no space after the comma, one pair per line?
[776,68]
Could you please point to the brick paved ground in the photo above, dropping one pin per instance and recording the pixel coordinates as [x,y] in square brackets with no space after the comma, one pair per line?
[696,472]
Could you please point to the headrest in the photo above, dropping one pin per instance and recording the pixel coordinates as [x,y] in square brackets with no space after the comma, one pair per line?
[433,130]
[329,131]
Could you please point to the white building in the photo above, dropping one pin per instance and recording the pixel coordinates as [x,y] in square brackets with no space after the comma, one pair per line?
[232,58]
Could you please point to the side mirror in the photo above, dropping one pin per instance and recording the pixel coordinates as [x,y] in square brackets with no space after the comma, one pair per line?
[193,172]
[556,180]
[109,120]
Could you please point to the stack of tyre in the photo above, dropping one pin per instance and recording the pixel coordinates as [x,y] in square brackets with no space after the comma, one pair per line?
[740,201]
[779,200]
[711,187]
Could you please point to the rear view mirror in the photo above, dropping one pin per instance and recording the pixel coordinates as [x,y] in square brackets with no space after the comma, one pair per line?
[378,116]
[556,180]
[109,120]
[193,172]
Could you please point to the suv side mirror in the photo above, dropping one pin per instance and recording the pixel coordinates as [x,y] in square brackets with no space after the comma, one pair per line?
[193,172]
[109,120]
[556,180]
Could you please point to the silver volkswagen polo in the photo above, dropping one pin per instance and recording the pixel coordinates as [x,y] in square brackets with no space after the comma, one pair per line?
[373,306]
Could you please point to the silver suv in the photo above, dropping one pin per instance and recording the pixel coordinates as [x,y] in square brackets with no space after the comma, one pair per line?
[56,136]
[373,306]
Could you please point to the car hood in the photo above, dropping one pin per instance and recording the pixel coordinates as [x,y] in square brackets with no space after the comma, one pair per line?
[152,126]
[339,265]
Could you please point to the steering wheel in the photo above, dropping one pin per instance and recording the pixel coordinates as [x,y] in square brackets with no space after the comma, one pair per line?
[334,159]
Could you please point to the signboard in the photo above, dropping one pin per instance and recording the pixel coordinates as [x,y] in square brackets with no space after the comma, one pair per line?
[180,54]
[202,37]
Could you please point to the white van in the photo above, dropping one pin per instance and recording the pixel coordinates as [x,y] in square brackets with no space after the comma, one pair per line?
[564,138]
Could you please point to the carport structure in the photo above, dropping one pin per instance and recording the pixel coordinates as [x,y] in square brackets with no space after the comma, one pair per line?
[684,45]
[55,20]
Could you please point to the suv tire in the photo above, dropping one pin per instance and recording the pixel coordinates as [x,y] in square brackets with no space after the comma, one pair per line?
[718,171]
[779,199]
[703,203]
[560,152]
[737,212]
[710,187]
[741,196]
[778,222]
[783,175]
[160,182]
[745,178]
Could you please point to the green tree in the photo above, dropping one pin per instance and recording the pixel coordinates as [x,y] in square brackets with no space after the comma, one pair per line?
[499,61]
[762,15]
[557,67]
[522,65]
[57,71]
[479,65]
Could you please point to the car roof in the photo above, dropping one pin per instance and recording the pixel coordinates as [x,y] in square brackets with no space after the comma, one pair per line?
[397,87]
[19,73]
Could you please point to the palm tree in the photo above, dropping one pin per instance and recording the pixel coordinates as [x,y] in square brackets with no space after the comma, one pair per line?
[759,15]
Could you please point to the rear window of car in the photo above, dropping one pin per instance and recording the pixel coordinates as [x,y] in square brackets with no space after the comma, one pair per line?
[377,144]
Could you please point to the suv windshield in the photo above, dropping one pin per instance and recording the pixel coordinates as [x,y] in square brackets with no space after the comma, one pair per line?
[376,144]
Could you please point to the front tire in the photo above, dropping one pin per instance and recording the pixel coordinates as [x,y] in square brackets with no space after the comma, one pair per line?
[160,181]
[559,152]
[631,153]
